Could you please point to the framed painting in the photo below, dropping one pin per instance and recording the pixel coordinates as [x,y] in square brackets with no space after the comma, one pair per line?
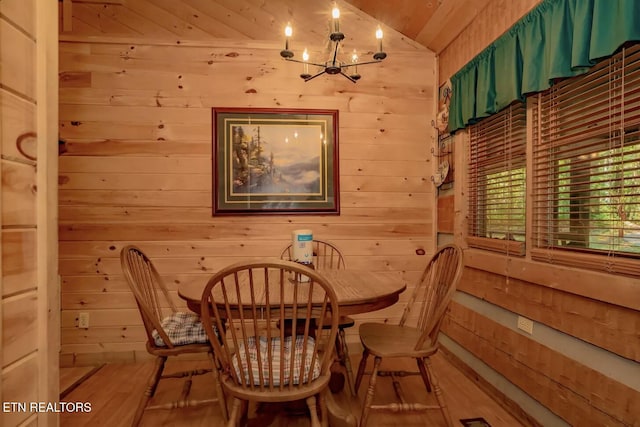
[275,161]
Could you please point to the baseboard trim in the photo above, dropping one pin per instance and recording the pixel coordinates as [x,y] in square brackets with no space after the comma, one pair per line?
[70,360]
[502,399]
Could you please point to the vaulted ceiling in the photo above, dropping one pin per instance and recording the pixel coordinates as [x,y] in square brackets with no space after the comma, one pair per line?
[431,23]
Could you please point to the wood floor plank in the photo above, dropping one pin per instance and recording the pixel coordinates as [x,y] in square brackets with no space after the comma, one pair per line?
[70,378]
[114,391]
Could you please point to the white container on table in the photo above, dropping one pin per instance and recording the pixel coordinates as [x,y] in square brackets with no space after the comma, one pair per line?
[302,249]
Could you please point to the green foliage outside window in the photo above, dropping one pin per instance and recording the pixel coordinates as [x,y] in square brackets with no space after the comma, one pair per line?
[598,206]
[505,212]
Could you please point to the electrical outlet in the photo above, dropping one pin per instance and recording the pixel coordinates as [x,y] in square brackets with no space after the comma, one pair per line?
[83,320]
[525,324]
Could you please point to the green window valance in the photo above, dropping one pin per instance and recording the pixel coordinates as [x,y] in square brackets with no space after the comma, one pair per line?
[557,39]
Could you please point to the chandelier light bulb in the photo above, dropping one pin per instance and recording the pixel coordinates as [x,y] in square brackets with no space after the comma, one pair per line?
[354,61]
[288,32]
[379,55]
[335,13]
[305,66]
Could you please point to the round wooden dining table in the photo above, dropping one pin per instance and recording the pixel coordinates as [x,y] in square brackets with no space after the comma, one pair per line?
[357,292]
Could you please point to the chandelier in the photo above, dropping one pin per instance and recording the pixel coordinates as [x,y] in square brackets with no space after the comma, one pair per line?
[333,65]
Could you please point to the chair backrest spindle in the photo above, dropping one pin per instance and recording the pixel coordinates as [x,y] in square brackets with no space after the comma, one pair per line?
[145,282]
[326,255]
[266,323]
[433,292]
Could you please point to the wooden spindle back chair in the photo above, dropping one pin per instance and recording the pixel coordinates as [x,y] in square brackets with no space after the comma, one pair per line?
[327,256]
[169,332]
[263,320]
[425,310]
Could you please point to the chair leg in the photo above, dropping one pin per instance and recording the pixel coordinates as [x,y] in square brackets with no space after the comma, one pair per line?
[150,391]
[363,364]
[244,412]
[324,410]
[368,400]
[344,357]
[438,392]
[313,411]
[236,409]
[423,374]
[222,399]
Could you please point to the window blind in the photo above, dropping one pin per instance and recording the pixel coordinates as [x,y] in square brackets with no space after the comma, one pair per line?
[497,154]
[586,168]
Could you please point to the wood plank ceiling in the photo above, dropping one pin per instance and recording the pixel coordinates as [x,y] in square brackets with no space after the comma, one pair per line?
[432,23]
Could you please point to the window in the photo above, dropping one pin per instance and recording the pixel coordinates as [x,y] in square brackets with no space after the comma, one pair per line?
[497,154]
[586,168]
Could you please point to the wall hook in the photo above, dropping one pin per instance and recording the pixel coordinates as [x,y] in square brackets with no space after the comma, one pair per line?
[21,139]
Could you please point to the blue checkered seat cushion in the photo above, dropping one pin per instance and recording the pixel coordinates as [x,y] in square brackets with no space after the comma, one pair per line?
[182,329]
[252,372]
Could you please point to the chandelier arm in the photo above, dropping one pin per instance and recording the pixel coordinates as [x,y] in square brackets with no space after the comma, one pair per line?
[304,62]
[348,77]
[362,63]
[314,76]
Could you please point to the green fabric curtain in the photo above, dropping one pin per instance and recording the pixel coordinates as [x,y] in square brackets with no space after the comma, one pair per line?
[557,39]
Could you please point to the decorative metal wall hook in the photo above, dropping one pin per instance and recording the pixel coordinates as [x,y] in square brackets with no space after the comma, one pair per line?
[20,140]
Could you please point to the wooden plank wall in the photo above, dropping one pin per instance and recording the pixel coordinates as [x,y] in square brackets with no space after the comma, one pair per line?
[136,115]
[490,23]
[599,309]
[19,321]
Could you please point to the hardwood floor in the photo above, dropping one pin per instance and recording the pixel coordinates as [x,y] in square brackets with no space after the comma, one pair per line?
[70,378]
[114,390]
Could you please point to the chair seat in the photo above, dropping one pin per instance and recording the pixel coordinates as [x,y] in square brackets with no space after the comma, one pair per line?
[343,322]
[393,340]
[270,361]
[277,394]
[178,349]
[182,329]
